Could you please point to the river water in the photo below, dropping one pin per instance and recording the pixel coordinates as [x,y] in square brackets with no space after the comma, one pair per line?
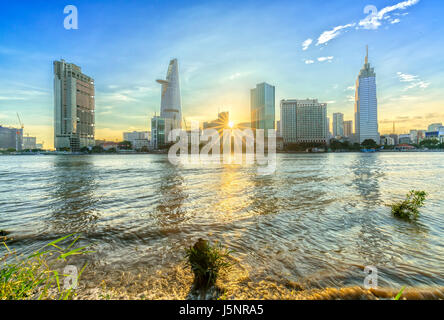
[313,224]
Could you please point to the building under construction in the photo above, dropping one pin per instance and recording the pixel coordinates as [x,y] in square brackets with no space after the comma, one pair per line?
[11,138]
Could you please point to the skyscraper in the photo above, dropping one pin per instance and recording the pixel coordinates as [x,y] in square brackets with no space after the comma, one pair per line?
[170,108]
[366,105]
[262,107]
[348,128]
[338,124]
[303,121]
[73,107]
[170,104]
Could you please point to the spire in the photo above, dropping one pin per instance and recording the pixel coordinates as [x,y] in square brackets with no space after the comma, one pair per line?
[366,57]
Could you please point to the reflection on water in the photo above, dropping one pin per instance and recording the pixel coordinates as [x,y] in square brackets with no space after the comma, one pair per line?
[315,223]
[73,187]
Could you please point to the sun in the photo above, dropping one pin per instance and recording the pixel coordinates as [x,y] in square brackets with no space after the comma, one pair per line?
[231,124]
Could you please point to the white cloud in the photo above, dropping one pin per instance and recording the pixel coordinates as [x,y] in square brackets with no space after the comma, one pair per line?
[309,61]
[306,44]
[326,36]
[403,77]
[322,59]
[351,88]
[11,98]
[373,20]
[235,75]
[351,98]
[413,81]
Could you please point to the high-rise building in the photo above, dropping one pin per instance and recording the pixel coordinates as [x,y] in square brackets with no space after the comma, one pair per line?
[338,124]
[74,105]
[348,128]
[328,129]
[366,104]
[262,107]
[157,132]
[303,121]
[170,108]
[11,138]
[170,103]
[29,143]
[278,129]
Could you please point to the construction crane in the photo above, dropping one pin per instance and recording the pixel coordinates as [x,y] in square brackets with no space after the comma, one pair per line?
[20,121]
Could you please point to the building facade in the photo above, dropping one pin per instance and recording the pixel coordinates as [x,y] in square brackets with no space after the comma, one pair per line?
[404,139]
[434,127]
[29,143]
[303,121]
[366,105]
[262,107]
[348,128]
[170,108]
[338,125]
[74,105]
[11,138]
[138,139]
[170,102]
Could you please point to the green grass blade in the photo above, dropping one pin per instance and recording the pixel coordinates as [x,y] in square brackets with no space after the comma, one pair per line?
[398,296]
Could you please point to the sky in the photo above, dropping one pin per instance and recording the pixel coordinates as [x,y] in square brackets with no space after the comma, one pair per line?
[306,49]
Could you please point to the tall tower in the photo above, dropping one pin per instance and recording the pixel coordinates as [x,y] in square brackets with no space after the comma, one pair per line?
[262,107]
[366,104]
[73,107]
[170,105]
[338,124]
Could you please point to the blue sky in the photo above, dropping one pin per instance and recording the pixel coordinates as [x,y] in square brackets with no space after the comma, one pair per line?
[224,48]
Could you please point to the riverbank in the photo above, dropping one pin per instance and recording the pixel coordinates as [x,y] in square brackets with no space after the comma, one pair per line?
[176,282]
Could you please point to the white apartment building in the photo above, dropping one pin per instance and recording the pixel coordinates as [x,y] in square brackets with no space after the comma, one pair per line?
[303,121]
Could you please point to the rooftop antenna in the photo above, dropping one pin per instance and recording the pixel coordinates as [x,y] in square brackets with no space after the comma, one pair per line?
[366,57]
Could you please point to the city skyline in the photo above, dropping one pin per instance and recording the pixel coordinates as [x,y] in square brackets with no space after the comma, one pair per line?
[315,59]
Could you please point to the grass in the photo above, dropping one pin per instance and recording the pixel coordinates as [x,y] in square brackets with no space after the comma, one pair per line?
[206,262]
[35,276]
[398,296]
[409,208]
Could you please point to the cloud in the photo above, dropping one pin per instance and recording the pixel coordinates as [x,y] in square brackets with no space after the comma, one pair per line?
[413,81]
[350,88]
[306,44]
[322,59]
[403,77]
[309,61]
[326,36]
[373,20]
[11,98]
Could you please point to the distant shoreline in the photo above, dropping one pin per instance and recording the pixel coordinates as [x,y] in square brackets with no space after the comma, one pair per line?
[49,153]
